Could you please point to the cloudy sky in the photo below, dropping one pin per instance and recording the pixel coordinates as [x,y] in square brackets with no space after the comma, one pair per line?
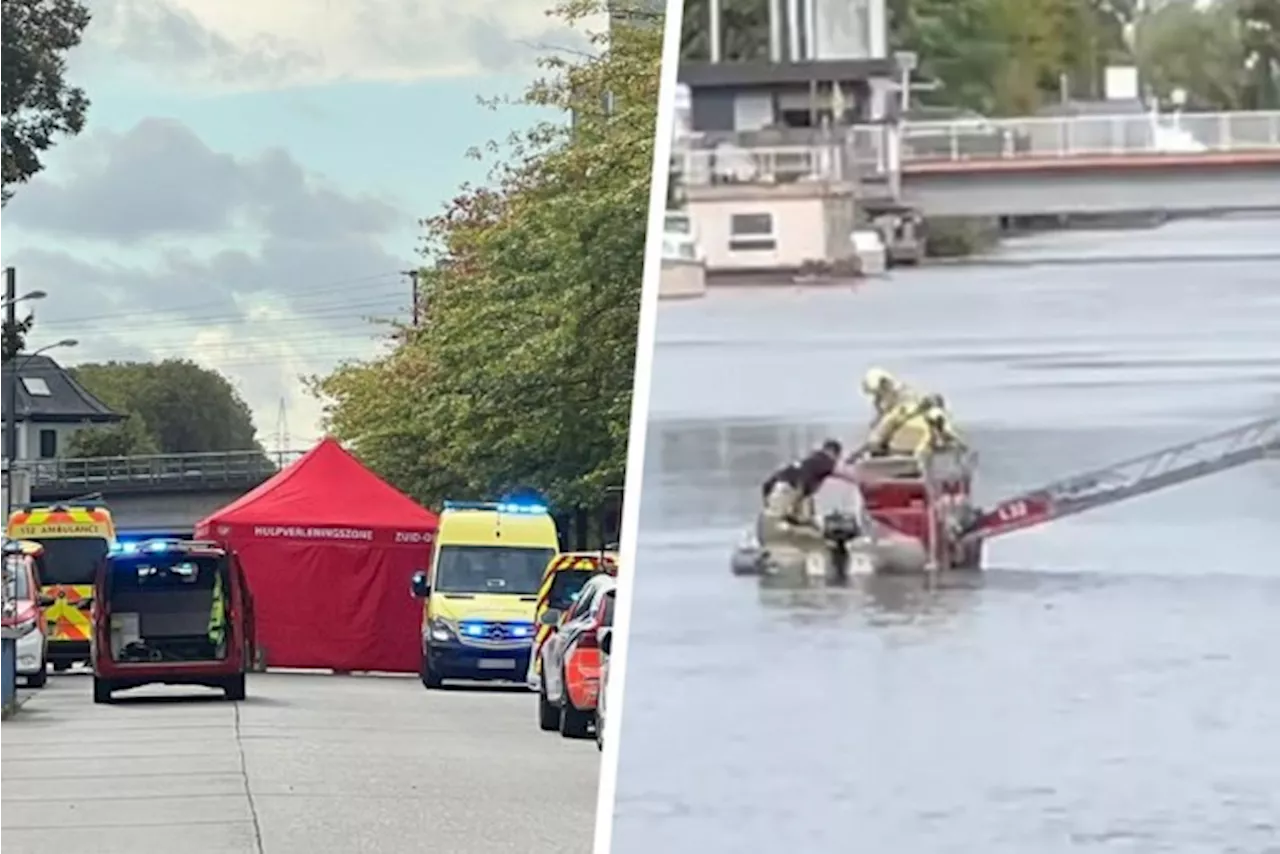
[248,187]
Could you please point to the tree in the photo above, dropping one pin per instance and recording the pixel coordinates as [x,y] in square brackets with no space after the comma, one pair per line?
[522,373]
[1199,50]
[1260,26]
[181,407]
[39,104]
[15,336]
[126,439]
[744,30]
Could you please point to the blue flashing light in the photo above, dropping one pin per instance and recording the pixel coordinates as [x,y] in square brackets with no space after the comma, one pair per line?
[526,509]
[507,507]
[480,629]
[125,547]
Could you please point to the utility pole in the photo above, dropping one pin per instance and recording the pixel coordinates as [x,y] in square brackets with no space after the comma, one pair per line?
[417,299]
[11,391]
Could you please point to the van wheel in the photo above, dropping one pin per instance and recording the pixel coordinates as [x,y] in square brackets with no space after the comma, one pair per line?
[40,677]
[101,691]
[61,666]
[430,677]
[234,688]
[548,712]
[599,731]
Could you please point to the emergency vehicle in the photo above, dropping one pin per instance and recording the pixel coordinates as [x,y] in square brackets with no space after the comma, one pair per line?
[569,685]
[481,592]
[562,582]
[76,539]
[172,612]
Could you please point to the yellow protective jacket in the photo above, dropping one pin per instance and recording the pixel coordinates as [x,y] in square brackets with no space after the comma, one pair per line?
[218,613]
[911,429]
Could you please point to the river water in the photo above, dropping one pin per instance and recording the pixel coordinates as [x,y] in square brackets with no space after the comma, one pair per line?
[1112,683]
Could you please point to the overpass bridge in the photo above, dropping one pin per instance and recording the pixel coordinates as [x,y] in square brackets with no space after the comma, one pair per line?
[1177,163]
[167,492]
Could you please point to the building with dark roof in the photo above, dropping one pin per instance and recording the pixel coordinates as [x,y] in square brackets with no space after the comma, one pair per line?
[51,407]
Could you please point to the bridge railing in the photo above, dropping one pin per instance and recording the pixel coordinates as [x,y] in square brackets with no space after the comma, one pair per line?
[870,153]
[183,471]
[774,164]
[1125,135]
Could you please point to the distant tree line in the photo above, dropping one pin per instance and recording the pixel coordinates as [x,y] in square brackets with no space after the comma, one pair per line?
[1011,57]
[170,407]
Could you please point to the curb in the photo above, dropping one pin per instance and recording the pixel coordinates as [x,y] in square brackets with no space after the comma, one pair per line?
[14,707]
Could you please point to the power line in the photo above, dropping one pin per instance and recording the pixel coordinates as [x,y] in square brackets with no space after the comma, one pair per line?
[333,287]
[356,311]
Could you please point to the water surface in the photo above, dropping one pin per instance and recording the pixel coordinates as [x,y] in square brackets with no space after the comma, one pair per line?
[1111,684]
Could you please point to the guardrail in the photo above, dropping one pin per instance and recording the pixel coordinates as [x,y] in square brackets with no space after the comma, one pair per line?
[1141,135]
[161,471]
[876,152]
[782,164]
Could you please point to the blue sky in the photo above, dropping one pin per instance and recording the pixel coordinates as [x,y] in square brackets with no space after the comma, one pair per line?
[249,184]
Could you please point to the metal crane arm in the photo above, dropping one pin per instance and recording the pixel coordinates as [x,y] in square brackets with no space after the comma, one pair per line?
[1129,479]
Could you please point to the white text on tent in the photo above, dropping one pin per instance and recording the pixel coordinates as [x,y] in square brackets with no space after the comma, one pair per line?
[304,533]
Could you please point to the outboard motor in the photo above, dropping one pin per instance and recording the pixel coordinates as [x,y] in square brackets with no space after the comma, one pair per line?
[840,529]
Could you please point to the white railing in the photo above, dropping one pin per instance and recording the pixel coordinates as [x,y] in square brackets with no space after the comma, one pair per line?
[873,152]
[1091,136]
[731,164]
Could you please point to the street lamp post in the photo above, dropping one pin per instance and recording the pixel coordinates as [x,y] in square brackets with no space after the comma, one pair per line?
[10,319]
[11,416]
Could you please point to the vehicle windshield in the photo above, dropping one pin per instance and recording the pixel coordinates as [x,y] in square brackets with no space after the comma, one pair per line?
[71,560]
[16,577]
[491,569]
[566,587]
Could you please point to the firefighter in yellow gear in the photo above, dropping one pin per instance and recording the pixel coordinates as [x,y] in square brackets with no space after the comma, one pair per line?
[913,428]
[943,435]
[886,392]
[218,614]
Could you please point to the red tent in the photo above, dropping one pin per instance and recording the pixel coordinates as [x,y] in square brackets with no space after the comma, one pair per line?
[329,549]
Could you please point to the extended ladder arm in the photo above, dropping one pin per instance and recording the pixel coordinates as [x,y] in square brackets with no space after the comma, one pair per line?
[1129,479]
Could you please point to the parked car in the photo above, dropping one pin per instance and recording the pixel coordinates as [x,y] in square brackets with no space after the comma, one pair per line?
[569,683]
[22,615]
[606,652]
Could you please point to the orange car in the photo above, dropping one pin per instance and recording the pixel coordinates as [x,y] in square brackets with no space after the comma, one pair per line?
[570,660]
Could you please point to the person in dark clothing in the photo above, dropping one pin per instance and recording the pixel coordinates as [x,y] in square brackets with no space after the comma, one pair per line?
[808,474]
[789,474]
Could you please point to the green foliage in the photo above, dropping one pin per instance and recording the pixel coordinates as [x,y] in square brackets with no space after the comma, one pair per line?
[126,439]
[1260,25]
[959,237]
[177,406]
[15,336]
[522,372]
[1011,57]
[744,30]
[39,104]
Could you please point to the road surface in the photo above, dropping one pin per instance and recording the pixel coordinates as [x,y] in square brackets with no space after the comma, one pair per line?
[1109,685]
[308,763]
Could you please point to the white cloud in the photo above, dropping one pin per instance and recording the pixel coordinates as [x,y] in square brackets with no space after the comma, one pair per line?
[251,44]
[133,245]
